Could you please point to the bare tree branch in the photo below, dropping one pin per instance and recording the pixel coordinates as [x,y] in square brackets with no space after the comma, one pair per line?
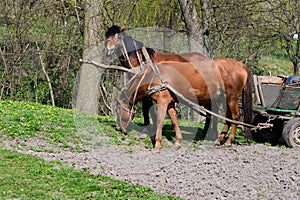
[100,65]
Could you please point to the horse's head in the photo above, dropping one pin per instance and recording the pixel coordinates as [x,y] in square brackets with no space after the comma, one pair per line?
[125,114]
[122,45]
[113,38]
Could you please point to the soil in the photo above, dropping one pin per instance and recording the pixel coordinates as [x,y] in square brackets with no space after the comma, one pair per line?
[199,171]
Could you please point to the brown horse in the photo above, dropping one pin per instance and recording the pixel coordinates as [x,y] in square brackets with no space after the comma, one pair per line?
[129,53]
[201,83]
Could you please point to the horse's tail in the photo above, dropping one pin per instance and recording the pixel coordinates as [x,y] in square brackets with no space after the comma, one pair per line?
[247,104]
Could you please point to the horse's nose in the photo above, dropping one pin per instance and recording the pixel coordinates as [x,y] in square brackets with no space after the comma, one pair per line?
[121,129]
[124,131]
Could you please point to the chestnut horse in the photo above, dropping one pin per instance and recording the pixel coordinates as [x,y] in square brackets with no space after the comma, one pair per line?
[201,83]
[129,53]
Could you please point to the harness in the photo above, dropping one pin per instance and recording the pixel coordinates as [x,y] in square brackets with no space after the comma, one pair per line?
[163,86]
[122,47]
[150,90]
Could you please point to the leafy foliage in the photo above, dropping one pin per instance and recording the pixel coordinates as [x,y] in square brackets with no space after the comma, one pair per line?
[39,39]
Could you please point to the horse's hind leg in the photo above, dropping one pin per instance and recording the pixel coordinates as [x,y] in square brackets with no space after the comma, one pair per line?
[173,115]
[211,123]
[221,138]
[235,115]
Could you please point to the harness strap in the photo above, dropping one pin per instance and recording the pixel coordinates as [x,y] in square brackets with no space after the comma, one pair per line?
[123,94]
[141,67]
[152,65]
[124,51]
[159,88]
[145,52]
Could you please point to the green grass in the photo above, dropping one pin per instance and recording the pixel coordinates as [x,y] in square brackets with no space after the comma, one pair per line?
[27,177]
[63,127]
[60,127]
[275,66]
[25,119]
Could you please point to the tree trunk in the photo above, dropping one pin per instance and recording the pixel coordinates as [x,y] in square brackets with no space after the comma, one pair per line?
[195,26]
[197,41]
[88,86]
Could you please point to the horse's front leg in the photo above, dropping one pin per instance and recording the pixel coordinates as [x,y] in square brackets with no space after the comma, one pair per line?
[174,119]
[161,114]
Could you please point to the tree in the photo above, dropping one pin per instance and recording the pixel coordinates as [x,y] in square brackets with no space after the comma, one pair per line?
[40,47]
[87,91]
[236,30]
[285,25]
[195,25]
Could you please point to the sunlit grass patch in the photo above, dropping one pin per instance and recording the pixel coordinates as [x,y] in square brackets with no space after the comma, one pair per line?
[275,66]
[27,177]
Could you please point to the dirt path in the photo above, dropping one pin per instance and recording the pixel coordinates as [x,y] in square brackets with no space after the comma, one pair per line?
[193,172]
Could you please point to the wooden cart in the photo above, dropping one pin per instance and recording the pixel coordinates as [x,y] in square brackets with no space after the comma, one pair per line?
[277,104]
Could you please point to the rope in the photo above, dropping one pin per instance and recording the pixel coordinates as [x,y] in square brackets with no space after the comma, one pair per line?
[203,110]
[196,107]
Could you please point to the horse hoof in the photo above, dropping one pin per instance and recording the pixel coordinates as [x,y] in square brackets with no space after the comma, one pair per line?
[157,147]
[227,144]
[177,145]
[218,142]
[146,129]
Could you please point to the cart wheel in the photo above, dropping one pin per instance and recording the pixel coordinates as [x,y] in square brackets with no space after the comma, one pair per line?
[291,133]
[271,135]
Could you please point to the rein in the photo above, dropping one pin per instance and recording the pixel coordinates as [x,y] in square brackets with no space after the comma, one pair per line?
[124,51]
[131,111]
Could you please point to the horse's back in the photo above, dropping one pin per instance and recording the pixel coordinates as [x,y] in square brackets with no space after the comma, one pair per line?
[194,57]
[234,73]
[199,80]
[231,64]
[183,57]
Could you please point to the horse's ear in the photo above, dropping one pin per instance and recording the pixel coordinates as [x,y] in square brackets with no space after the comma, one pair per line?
[107,26]
[122,28]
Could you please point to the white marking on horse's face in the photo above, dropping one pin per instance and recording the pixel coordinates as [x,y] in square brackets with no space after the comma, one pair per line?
[111,43]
